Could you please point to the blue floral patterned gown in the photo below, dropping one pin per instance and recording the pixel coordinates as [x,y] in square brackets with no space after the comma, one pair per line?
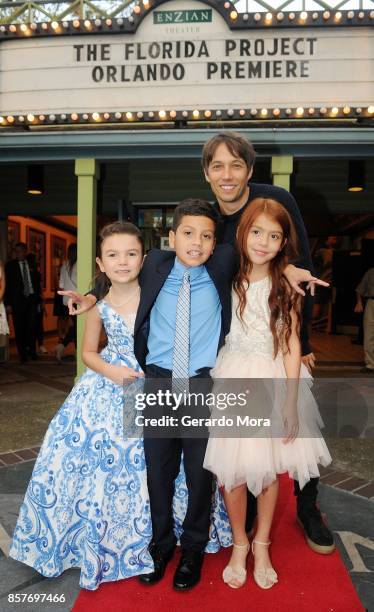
[87,502]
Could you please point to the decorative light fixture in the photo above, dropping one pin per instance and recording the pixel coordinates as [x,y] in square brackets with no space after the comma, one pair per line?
[35,179]
[356,175]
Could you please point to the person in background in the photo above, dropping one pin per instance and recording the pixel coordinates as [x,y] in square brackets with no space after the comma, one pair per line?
[68,282]
[322,300]
[4,328]
[365,293]
[22,294]
[40,310]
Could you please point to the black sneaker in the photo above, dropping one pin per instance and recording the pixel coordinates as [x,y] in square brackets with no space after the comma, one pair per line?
[318,536]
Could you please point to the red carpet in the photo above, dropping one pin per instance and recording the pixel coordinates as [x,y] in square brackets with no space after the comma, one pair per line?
[307,581]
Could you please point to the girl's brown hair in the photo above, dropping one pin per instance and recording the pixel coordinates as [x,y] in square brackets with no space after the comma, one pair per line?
[281,299]
[101,281]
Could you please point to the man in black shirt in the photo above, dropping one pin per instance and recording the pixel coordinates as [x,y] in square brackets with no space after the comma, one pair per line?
[228,160]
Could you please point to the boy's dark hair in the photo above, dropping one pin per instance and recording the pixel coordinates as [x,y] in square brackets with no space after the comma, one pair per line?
[237,145]
[195,208]
[21,245]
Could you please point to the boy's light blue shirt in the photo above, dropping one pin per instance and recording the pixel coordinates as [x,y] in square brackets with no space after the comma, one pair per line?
[205,315]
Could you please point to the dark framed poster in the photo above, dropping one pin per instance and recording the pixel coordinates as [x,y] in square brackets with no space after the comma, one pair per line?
[58,256]
[36,245]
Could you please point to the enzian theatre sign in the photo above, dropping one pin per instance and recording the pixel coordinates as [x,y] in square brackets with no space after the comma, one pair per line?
[184,55]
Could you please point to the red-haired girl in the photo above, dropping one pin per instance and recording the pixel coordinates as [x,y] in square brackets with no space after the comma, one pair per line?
[264,343]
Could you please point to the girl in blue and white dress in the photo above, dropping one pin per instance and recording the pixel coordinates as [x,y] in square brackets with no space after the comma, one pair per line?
[87,502]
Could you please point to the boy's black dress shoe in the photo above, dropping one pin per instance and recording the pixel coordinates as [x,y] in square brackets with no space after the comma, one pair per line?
[160,561]
[188,572]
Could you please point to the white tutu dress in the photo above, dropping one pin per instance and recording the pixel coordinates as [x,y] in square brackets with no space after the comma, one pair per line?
[256,459]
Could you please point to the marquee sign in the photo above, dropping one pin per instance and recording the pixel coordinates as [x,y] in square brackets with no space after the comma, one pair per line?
[184,57]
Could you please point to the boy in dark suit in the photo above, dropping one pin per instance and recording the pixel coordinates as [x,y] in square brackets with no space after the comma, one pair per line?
[195,278]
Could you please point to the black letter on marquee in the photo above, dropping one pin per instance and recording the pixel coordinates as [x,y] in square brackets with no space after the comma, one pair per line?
[203,50]
[296,46]
[98,74]
[291,68]
[111,72]
[129,50]
[105,52]
[178,72]
[230,46]
[311,41]
[212,68]
[78,49]
[304,68]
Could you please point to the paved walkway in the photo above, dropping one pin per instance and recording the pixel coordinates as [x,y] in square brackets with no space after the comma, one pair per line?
[351,517]
[31,394]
